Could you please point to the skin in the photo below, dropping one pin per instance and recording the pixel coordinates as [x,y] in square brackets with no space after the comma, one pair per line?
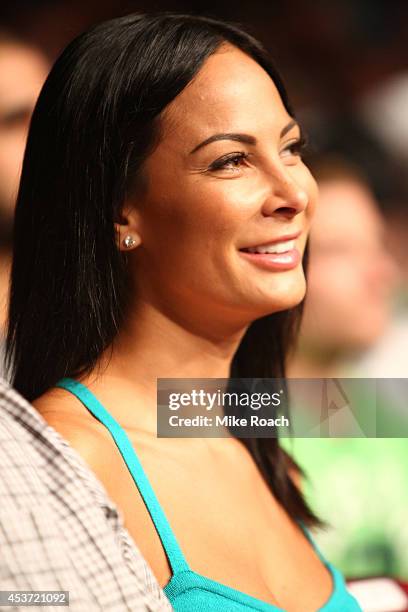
[350,282]
[194,297]
[22,73]
[396,237]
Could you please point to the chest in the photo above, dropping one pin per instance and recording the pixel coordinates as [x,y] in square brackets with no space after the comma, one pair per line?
[226,521]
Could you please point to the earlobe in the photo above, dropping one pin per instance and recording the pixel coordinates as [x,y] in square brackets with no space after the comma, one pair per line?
[130,242]
[127,231]
[127,241]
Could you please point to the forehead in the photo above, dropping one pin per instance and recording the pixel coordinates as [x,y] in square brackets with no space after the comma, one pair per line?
[230,91]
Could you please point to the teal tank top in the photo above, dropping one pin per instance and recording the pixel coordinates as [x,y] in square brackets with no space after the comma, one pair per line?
[188,590]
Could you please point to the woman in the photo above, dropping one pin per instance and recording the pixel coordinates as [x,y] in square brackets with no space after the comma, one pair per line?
[161,150]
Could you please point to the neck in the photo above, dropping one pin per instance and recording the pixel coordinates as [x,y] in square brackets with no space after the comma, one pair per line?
[151,345]
[5,265]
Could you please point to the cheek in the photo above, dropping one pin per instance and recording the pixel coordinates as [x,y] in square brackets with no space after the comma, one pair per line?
[200,216]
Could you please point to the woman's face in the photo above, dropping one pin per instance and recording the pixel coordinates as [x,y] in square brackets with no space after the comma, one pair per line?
[226,176]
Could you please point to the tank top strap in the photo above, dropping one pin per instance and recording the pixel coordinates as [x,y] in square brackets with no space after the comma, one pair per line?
[171,547]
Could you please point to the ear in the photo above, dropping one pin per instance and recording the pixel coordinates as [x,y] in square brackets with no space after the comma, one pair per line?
[127,229]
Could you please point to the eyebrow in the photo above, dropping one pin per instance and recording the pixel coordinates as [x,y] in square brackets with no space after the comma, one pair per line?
[246,138]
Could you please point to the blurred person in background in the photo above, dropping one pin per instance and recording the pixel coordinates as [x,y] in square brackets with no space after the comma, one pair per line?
[348,307]
[387,358]
[352,275]
[23,70]
[388,100]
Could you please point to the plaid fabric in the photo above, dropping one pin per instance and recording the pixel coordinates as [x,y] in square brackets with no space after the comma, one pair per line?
[58,528]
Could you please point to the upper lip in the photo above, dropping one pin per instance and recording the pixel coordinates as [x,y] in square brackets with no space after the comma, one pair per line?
[273,240]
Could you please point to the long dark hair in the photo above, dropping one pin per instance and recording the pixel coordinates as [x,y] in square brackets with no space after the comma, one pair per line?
[96,121]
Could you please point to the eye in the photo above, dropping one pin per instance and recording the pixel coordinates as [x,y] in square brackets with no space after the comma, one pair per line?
[15,118]
[229,162]
[295,148]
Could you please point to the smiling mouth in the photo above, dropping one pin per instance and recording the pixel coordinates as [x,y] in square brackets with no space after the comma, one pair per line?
[276,248]
[278,256]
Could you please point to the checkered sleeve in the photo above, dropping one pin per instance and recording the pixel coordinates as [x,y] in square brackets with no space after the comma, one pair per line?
[59,530]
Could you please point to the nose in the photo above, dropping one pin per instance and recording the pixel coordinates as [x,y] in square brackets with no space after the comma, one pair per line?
[285,198]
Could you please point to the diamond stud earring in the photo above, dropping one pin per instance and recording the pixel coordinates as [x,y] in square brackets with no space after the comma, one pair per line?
[129,242]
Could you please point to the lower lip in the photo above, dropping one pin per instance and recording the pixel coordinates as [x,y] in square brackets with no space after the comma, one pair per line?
[274,261]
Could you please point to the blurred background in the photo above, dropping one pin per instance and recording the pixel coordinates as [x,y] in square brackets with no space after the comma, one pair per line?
[345,63]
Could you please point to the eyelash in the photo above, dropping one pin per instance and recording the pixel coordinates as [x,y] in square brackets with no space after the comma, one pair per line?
[221,163]
[295,148]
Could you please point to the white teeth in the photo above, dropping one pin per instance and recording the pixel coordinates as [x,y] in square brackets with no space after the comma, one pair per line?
[278,247]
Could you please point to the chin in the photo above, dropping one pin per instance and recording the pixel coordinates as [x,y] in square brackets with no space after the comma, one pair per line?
[285,295]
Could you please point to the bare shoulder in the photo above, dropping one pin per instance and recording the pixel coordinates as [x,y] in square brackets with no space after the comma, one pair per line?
[59,402]
[65,413]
